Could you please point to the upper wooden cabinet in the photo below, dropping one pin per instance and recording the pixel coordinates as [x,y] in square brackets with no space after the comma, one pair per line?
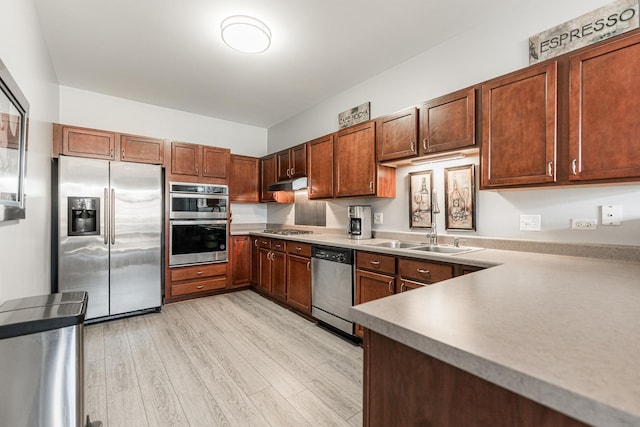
[201,162]
[356,170]
[448,122]
[101,144]
[267,176]
[519,126]
[84,142]
[604,111]
[320,173]
[141,149]
[292,163]
[397,135]
[244,179]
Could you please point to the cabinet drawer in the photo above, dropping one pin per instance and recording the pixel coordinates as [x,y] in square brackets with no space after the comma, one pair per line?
[424,271]
[278,245]
[297,248]
[198,286]
[198,271]
[376,262]
[264,242]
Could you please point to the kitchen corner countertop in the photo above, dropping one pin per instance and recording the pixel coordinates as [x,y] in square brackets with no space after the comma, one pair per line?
[562,331]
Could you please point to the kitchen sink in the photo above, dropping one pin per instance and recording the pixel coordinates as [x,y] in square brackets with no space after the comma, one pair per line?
[444,249]
[396,245]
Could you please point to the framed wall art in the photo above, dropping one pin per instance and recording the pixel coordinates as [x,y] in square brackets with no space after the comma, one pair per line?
[460,197]
[420,194]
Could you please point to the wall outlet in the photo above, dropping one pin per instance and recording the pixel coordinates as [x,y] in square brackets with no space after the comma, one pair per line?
[611,215]
[378,218]
[584,224]
[530,222]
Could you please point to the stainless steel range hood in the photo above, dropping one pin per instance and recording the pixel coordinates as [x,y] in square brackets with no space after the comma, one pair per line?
[289,185]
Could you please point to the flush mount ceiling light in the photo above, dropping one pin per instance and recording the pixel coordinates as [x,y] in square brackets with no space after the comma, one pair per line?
[245,34]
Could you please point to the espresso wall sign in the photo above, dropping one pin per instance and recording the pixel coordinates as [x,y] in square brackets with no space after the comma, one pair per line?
[355,115]
[608,21]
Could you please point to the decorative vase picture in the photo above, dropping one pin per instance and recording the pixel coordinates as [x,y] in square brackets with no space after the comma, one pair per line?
[459,185]
[420,194]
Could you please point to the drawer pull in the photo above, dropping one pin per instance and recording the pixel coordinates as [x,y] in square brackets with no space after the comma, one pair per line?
[308,265]
[376,263]
[390,286]
[200,287]
[574,167]
[199,273]
[402,286]
[425,142]
[298,248]
[255,243]
[425,272]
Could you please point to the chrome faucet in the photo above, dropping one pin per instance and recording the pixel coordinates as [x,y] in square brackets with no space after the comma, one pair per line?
[433,233]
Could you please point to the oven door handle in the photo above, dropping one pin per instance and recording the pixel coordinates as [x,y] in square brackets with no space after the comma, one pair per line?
[198,222]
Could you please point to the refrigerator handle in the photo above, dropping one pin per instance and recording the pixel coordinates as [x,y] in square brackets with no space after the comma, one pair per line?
[112,227]
[106,216]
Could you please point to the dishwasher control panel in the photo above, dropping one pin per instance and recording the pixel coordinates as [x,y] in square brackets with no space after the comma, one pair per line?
[333,254]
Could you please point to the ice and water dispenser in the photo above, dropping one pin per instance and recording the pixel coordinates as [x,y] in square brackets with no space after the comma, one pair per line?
[84,216]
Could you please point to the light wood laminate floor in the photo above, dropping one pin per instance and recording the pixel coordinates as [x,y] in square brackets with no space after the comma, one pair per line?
[236,359]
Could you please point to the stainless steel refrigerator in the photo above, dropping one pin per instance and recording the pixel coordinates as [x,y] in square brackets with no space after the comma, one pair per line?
[109,232]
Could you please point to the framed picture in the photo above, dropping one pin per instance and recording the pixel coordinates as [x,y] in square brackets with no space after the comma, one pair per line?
[420,194]
[460,198]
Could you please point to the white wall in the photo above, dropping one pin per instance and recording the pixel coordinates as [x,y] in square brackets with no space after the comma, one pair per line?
[495,47]
[24,245]
[94,110]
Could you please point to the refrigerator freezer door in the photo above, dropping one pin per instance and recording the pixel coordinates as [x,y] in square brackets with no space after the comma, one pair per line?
[136,230]
[83,260]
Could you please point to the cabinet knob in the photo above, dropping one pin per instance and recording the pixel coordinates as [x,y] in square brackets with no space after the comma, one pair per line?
[413,146]
[371,185]
[123,153]
[255,242]
[425,142]
[574,164]
[402,286]
[196,169]
[288,173]
[390,286]
[550,169]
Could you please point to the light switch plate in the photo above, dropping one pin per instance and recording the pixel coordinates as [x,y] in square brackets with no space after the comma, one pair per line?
[530,222]
[611,215]
[584,224]
[378,218]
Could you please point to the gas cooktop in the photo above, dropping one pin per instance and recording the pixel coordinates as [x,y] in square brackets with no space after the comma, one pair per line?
[286,231]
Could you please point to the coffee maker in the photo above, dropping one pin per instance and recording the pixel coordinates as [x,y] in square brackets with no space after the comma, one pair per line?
[359,222]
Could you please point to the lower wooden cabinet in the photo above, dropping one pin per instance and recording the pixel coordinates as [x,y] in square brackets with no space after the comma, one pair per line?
[272,276]
[404,387]
[299,276]
[194,280]
[371,286]
[240,261]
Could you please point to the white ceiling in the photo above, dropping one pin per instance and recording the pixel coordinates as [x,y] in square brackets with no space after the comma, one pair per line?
[169,52]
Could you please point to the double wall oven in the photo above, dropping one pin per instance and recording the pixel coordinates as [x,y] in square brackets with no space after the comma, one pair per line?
[197,223]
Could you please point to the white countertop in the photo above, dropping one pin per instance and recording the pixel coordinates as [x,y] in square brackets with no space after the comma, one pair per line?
[562,331]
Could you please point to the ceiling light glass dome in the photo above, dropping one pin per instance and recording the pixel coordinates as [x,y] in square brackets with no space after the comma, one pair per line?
[245,34]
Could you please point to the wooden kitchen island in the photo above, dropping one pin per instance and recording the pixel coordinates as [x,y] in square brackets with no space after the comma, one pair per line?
[537,341]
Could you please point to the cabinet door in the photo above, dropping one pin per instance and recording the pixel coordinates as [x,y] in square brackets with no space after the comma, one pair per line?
[397,135]
[185,159]
[91,143]
[604,111]
[519,128]
[299,283]
[355,160]
[243,179]
[215,162]
[255,261]
[448,122]
[320,179]
[371,286]
[267,176]
[240,260]
[264,276]
[283,169]
[140,149]
[298,160]
[279,275]
[405,285]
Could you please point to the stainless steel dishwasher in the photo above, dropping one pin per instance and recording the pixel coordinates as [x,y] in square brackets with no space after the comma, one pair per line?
[332,287]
